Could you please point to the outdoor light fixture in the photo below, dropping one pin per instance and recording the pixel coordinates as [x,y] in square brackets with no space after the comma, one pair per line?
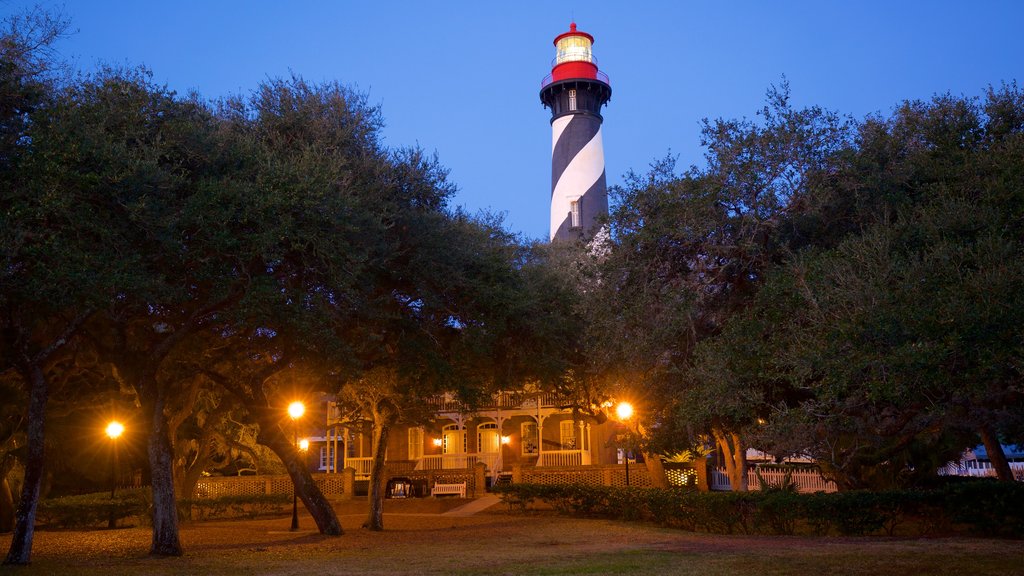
[114,430]
[438,442]
[304,444]
[296,410]
[624,410]
[506,439]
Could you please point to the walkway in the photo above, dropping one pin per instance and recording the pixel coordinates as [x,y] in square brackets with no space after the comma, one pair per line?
[478,505]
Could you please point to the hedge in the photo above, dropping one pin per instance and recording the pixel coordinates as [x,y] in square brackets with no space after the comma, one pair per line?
[95,510]
[978,507]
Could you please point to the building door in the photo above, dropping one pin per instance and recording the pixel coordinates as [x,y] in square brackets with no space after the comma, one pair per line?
[454,440]
[487,438]
[567,430]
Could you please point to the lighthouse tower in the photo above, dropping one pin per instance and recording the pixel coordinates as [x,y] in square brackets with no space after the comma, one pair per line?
[575,91]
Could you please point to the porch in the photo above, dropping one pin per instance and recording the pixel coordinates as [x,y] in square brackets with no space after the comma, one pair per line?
[464,461]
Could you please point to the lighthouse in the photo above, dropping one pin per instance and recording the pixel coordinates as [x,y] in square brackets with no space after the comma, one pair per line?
[575,91]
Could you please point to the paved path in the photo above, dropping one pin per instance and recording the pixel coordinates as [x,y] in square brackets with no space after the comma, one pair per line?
[475,506]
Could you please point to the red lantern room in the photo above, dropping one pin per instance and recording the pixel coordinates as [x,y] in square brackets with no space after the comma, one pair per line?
[574,57]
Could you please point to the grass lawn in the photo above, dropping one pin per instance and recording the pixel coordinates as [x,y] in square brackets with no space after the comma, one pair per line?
[419,540]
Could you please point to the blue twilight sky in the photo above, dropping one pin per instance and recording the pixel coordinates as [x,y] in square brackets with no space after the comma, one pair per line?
[462,78]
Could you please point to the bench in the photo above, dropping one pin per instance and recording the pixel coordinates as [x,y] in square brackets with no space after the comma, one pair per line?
[452,489]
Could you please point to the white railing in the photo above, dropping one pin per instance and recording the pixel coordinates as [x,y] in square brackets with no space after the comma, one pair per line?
[459,461]
[805,480]
[564,458]
[361,465]
[504,399]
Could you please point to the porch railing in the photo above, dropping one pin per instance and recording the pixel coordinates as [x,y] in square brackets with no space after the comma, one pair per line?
[564,458]
[459,461]
[361,465]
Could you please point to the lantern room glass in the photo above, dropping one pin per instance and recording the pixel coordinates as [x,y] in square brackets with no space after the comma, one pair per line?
[574,49]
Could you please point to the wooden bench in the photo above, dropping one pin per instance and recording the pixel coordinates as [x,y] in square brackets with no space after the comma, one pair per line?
[446,489]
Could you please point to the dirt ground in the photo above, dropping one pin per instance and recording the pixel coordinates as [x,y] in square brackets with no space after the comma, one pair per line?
[420,540]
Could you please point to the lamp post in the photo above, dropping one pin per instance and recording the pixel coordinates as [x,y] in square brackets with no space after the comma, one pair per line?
[625,411]
[114,431]
[295,411]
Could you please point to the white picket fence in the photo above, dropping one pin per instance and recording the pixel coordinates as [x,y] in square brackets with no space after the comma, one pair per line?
[805,480]
[979,469]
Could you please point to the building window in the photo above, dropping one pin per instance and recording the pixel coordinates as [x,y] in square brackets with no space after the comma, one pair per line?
[572,100]
[530,443]
[568,434]
[574,214]
[327,456]
[415,443]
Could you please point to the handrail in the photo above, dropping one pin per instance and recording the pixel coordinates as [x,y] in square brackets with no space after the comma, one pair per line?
[601,77]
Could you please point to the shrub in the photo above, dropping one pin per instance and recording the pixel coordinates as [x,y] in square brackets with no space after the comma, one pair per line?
[91,510]
[979,507]
[95,510]
[987,506]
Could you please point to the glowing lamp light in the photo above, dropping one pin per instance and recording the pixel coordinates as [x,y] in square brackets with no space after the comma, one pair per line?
[296,410]
[303,444]
[115,429]
[506,439]
[624,410]
[437,442]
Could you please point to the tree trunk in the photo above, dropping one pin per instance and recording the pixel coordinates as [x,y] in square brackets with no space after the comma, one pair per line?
[734,455]
[375,521]
[6,505]
[996,455]
[161,464]
[312,498]
[20,551]
[653,463]
[271,436]
[656,470]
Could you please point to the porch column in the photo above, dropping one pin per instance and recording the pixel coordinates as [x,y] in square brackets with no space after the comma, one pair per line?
[540,440]
[344,454]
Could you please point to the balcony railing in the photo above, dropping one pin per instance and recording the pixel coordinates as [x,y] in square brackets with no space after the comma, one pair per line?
[601,76]
[503,400]
[460,461]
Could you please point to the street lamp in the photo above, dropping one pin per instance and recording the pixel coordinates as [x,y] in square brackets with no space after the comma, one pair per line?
[625,411]
[114,431]
[295,411]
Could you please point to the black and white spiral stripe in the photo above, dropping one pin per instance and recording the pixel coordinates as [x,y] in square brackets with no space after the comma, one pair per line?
[577,174]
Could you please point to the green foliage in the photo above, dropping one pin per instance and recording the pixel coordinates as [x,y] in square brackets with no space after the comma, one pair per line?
[989,507]
[92,510]
[95,510]
[234,506]
[978,507]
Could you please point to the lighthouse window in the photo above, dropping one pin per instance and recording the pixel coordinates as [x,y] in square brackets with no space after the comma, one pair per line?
[573,49]
[572,99]
[574,214]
